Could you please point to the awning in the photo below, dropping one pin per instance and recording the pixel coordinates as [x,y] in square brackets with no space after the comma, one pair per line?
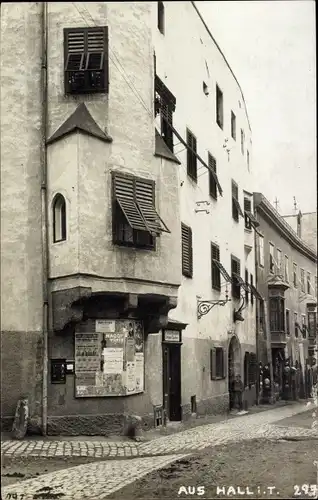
[241,282]
[222,270]
[253,220]
[238,206]
[210,169]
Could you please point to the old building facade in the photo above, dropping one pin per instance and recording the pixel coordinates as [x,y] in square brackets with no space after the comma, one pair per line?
[286,275]
[126,209]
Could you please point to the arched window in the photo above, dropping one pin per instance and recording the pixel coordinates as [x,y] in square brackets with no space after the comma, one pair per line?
[59,218]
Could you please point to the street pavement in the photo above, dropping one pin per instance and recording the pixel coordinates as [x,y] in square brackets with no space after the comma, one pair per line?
[97,480]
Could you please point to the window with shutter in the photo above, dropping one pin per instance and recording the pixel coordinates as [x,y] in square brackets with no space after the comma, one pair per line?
[219,107]
[135,219]
[86,60]
[252,288]
[217,365]
[246,289]
[212,178]
[216,275]
[187,251]
[236,208]
[165,105]
[233,125]
[247,211]
[191,157]
[236,277]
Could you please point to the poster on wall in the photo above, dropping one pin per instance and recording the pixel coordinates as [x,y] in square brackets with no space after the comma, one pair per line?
[110,361]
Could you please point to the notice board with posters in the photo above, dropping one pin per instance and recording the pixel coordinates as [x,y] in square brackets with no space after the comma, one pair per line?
[110,361]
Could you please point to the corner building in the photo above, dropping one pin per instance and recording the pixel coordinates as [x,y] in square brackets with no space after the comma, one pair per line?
[115,150]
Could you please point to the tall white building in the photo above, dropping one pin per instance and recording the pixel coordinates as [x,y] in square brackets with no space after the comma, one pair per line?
[125,199]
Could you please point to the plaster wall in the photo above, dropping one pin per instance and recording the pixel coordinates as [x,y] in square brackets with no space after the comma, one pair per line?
[186,56]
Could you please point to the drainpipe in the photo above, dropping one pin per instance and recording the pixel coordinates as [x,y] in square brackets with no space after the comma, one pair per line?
[257,311]
[44,214]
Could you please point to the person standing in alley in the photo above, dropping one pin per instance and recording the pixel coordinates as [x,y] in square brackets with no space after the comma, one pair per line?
[238,388]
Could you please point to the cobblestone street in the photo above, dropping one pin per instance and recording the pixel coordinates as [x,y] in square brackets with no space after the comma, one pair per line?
[99,479]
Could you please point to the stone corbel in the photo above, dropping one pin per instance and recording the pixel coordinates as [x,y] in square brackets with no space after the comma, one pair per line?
[66,306]
[160,319]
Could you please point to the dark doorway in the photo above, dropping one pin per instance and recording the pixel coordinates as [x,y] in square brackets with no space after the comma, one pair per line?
[172,381]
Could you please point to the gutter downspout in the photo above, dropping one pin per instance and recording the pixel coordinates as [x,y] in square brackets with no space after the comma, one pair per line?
[257,312]
[44,215]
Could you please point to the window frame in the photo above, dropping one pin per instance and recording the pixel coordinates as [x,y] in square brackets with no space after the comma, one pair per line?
[287,321]
[295,275]
[83,72]
[242,141]
[236,208]
[187,270]
[277,315]
[286,268]
[233,125]
[215,271]
[295,324]
[271,257]
[217,371]
[279,260]
[219,107]
[246,281]
[247,220]
[302,280]
[261,248]
[62,216]
[308,282]
[252,284]
[192,166]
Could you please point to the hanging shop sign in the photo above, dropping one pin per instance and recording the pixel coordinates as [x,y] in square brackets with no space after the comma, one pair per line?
[110,361]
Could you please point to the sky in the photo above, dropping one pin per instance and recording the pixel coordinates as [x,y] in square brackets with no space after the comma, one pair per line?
[270,46]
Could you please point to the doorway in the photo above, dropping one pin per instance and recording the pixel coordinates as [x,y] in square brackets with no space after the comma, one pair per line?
[172,381]
[234,364]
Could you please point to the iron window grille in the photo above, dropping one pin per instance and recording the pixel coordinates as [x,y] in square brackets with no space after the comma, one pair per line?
[219,107]
[277,314]
[191,157]
[236,208]
[212,179]
[165,105]
[135,219]
[187,251]
[233,126]
[217,364]
[86,60]
[236,278]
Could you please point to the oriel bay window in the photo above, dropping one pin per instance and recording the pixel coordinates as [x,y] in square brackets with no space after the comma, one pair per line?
[86,60]
[277,314]
[135,219]
[165,105]
[186,251]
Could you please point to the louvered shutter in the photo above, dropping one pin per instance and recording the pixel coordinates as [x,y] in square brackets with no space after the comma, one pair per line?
[145,198]
[95,44]
[124,194]
[213,363]
[75,50]
[187,256]
[212,176]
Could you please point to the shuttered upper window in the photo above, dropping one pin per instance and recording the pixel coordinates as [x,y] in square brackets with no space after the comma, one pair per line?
[191,157]
[135,219]
[86,60]
[212,178]
[236,272]
[236,207]
[165,104]
[216,274]
[187,251]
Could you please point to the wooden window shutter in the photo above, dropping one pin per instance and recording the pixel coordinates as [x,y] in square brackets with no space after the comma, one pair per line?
[187,252]
[215,252]
[212,178]
[145,198]
[213,363]
[123,188]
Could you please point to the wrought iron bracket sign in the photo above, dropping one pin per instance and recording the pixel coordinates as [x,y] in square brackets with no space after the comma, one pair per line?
[205,306]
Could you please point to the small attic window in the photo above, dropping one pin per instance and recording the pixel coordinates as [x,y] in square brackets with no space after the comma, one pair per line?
[205,89]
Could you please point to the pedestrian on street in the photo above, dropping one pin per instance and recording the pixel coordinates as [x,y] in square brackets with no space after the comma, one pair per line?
[238,388]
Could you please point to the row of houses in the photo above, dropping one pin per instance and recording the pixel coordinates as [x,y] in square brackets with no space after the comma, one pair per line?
[139,267]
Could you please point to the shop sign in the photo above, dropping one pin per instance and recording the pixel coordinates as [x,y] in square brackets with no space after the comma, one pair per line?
[171,336]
